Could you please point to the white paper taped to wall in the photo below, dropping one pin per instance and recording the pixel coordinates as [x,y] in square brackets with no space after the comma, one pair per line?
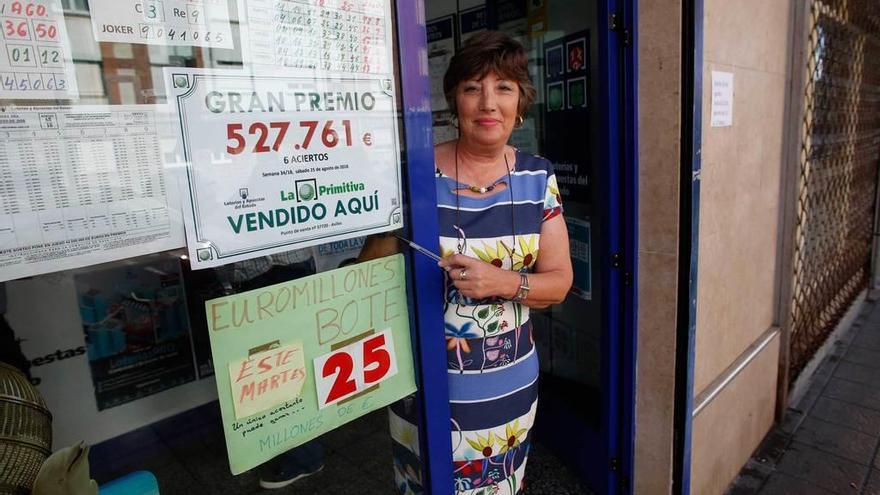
[349,36]
[722,99]
[163,22]
[35,60]
[82,185]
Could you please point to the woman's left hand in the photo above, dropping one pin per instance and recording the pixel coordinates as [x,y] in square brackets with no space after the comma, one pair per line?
[477,279]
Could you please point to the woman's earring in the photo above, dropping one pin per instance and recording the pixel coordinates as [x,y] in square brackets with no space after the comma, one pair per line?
[519,121]
[455,121]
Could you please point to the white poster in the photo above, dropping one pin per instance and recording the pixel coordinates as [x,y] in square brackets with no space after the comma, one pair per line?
[35,60]
[351,36]
[82,185]
[274,163]
[163,22]
[722,99]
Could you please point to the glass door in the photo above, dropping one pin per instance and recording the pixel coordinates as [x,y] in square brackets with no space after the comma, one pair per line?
[564,42]
[576,123]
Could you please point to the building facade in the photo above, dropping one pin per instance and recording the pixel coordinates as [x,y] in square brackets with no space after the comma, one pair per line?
[717,163]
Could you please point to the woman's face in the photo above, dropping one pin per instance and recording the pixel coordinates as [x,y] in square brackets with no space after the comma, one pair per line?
[487,109]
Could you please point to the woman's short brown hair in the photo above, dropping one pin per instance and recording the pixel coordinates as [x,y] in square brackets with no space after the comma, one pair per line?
[490,51]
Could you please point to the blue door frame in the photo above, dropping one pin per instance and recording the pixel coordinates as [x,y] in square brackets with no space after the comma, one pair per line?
[626,43]
[430,344]
[618,42]
[611,466]
[688,245]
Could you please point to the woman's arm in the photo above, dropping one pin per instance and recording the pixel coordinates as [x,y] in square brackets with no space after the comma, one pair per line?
[548,284]
[377,246]
[553,275]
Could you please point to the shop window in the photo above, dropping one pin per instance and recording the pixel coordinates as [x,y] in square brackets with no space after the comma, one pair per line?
[93,200]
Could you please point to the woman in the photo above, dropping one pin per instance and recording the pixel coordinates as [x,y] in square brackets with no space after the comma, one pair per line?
[505,249]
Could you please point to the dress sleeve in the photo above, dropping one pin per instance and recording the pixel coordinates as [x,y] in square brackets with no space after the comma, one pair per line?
[552,198]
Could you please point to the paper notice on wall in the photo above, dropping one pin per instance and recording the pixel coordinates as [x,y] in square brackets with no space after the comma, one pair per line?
[163,22]
[352,36]
[274,163]
[722,99]
[267,379]
[82,185]
[35,60]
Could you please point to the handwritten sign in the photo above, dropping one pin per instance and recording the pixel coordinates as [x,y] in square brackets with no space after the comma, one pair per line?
[343,350]
[267,379]
[35,56]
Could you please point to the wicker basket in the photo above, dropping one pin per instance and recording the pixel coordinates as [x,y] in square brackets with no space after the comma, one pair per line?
[25,432]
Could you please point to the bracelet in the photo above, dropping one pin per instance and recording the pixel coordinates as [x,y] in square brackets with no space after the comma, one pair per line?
[523,290]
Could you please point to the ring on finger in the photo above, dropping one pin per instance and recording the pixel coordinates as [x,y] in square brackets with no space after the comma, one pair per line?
[462,275]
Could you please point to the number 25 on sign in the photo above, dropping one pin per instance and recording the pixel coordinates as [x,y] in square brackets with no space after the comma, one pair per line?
[349,370]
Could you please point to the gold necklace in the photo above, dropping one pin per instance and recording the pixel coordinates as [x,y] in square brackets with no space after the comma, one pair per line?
[477,189]
[462,242]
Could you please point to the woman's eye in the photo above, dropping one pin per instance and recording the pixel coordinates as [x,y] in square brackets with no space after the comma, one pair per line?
[470,89]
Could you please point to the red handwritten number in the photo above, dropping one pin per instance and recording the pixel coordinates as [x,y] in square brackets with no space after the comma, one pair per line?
[231,134]
[374,354]
[19,29]
[45,31]
[263,131]
[312,125]
[28,9]
[344,384]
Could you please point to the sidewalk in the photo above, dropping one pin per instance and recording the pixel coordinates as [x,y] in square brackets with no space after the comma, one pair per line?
[828,442]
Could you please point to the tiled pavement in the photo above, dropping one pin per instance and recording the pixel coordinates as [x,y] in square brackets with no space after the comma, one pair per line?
[187,455]
[829,441]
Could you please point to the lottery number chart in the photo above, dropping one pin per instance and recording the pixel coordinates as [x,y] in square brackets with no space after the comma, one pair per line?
[35,61]
[163,22]
[80,185]
[325,35]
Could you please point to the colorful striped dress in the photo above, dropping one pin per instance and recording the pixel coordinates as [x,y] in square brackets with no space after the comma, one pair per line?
[492,360]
